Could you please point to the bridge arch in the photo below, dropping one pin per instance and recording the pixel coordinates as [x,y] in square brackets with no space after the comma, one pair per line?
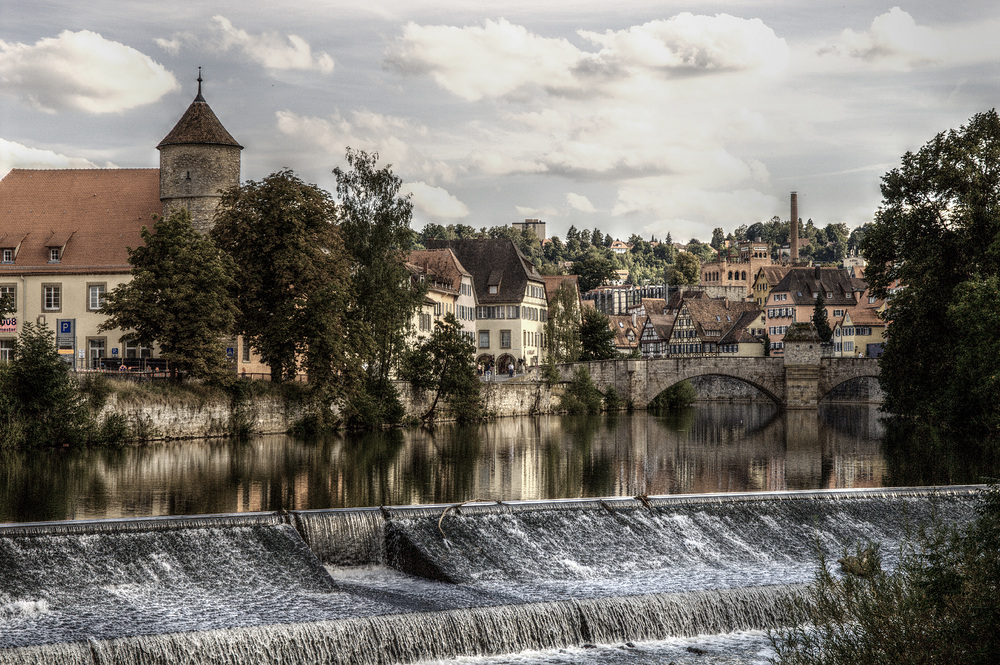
[655,389]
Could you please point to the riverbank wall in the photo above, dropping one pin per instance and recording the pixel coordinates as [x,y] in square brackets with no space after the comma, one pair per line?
[194,417]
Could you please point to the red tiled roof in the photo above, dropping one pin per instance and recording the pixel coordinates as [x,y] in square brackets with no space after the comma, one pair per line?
[93,214]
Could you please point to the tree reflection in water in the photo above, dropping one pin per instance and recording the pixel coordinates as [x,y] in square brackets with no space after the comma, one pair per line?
[709,447]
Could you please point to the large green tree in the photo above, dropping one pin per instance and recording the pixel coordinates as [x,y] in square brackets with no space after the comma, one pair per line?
[596,336]
[40,403]
[562,328]
[178,297]
[375,223]
[593,269]
[443,364]
[290,272]
[937,236]
[686,269]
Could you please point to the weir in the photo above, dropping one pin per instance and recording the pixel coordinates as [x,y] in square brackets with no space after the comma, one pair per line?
[400,584]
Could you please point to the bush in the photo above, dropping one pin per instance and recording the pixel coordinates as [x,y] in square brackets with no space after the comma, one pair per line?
[612,401]
[374,404]
[581,396]
[674,398]
[940,605]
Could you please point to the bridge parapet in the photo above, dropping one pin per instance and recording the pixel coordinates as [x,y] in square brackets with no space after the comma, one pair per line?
[791,385]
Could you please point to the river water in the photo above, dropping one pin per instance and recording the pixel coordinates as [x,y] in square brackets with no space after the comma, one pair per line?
[710,447]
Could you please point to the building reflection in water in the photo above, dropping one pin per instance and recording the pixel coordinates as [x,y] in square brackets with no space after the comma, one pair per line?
[711,447]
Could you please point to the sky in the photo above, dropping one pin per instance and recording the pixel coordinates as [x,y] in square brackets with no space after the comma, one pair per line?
[646,118]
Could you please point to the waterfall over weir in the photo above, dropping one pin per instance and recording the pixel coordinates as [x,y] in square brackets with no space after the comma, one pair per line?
[397,585]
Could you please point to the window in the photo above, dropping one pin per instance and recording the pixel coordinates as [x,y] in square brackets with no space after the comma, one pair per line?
[95,296]
[493,290]
[96,347]
[8,256]
[246,351]
[838,312]
[425,322]
[52,297]
[8,293]
[871,300]
[504,339]
[135,350]
[6,349]
[53,255]
[484,339]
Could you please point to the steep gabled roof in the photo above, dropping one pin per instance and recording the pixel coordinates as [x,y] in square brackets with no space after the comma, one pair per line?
[442,263]
[801,283]
[94,215]
[493,262]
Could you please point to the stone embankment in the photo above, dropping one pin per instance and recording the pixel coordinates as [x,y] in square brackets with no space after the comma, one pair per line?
[195,418]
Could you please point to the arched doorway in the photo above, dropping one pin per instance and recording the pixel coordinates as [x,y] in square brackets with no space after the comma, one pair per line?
[505,362]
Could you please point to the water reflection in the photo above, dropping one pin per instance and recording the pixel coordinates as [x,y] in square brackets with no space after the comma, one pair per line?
[708,448]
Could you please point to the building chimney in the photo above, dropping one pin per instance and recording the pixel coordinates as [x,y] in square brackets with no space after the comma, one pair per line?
[794,238]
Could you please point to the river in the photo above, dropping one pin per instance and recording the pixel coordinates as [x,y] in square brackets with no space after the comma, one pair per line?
[709,447]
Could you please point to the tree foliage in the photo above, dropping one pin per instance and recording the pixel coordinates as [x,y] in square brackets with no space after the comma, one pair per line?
[562,329]
[820,320]
[40,403]
[444,363]
[375,222]
[594,270]
[291,272]
[596,336]
[936,236]
[685,270]
[178,297]
[939,605]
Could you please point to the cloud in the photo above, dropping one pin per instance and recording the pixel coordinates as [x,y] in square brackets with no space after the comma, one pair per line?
[529,212]
[688,44]
[270,49]
[894,41]
[395,139]
[489,61]
[434,201]
[82,71]
[580,202]
[15,155]
[501,59]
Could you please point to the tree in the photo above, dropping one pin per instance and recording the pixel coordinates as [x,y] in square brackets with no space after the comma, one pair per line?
[596,336]
[178,297]
[593,270]
[562,329]
[444,363]
[820,319]
[718,238]
[40,403]
[686,269]
[290,275]
[937,236]
[375,223]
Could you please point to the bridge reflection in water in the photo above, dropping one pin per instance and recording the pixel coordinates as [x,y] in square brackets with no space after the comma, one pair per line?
[711,447]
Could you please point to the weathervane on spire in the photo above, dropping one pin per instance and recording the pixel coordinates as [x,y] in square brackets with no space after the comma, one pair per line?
[199,98]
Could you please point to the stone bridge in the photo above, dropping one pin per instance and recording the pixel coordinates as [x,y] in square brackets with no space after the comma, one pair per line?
[791,381]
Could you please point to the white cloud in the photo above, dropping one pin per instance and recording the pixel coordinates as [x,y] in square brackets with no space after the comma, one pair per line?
[687,44]
[395,139]
[580,202]
[434,201]
[15,155]
[500,59]
[894,41]
[82,71]
[270,49]
[529,212]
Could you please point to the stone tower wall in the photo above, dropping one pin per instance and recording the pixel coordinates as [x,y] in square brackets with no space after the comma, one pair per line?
[193,176]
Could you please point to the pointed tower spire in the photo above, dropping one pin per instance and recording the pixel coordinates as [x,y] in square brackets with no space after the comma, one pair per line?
[199,98]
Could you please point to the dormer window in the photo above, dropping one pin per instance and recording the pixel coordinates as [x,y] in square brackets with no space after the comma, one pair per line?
[7,256]
[493,289]
[53,255]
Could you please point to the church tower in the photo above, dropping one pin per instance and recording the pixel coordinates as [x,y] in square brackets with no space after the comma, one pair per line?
[198,160]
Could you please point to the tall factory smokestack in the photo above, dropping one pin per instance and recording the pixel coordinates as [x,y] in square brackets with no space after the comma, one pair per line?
[794,238]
